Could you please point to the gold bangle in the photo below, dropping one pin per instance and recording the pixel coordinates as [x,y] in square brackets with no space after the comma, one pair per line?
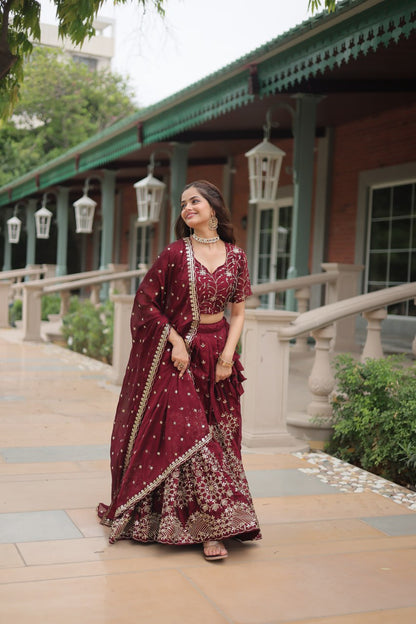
[224,362]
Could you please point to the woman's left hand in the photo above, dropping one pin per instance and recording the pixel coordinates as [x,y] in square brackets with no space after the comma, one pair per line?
[222,372]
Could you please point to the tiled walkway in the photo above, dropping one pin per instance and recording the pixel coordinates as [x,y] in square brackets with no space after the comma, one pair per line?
[339,546]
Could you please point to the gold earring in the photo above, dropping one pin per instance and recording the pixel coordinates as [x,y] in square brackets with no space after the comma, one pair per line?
[213,222]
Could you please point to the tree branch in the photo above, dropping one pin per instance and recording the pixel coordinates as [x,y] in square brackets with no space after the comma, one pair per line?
[7,59]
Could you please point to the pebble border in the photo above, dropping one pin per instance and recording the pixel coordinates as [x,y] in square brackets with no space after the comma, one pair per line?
[349,478]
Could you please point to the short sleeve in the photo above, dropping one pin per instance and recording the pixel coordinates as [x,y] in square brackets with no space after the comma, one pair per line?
[242,287]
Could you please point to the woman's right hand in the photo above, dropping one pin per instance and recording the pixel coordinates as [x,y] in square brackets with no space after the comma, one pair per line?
[180,355]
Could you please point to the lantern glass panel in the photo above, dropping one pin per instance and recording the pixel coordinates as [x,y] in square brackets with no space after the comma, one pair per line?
[264,164]
[142,204]
[14,226]
[84,214]
[149,192]
[43,219]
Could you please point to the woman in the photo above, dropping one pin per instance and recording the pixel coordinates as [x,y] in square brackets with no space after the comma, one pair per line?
[177,476]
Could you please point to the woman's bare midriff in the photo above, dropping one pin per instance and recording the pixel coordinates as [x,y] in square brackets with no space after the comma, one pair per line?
[208,319]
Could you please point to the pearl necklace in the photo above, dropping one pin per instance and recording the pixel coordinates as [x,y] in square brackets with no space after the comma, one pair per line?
[205,241]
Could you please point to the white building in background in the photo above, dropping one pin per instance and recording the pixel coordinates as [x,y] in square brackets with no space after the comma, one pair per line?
[96,52]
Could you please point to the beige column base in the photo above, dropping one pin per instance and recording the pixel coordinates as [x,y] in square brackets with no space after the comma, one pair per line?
[265,358]
[32,311]
[303,427]
[4,303]
[275,439]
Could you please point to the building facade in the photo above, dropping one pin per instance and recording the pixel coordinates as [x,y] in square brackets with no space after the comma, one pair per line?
[340,92]
[96,52]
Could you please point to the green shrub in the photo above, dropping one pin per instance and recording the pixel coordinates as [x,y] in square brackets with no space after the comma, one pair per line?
[51,304]
[15,312]
[374,417]
[88,329]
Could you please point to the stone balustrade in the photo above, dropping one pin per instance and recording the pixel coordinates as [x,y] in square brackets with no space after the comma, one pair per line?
[33,291]
[265,347]
[11,285]
[340,282]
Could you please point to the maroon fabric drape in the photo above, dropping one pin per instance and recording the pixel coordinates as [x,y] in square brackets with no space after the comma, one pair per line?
[166,287]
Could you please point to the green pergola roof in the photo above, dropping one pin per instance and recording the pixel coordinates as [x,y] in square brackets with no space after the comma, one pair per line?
[320,43]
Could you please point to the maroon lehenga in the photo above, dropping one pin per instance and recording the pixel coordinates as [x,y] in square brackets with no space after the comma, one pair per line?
[177,475]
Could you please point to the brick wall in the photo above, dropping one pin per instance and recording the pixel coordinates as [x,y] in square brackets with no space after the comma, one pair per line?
[374,142]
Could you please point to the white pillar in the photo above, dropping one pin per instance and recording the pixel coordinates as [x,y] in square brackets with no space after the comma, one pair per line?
[321,380]
[119,286]
[346,286]
[302,296]
[121,335]
[50,270]
[95,294]
[315,425]
[4,303]
[32,311]
[373,347]
[65,302]
[266,362]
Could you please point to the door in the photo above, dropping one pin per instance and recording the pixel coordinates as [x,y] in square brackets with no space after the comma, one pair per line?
[272,249]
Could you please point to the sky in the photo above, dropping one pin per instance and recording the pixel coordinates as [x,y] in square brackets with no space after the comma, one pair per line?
[197,37]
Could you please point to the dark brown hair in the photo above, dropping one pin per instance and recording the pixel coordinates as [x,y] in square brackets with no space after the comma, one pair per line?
[215,199]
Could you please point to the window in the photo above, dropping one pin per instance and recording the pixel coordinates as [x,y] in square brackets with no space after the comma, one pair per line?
[273,250]
[391,246]
[89,61]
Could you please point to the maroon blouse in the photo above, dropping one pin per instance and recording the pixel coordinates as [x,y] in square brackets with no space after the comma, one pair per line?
[230,282]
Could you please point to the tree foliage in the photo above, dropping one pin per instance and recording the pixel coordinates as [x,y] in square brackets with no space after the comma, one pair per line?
[315,5]
[20,26]
[62,104]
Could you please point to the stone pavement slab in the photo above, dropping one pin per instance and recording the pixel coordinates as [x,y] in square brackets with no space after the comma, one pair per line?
[338,544]
[390,616]
[34,454]
[36,526]
[394,525]
[285,482]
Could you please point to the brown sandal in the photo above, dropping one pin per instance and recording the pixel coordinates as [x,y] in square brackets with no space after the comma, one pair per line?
[218,545]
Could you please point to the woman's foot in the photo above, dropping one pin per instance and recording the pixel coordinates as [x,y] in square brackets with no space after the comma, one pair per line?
[214,550]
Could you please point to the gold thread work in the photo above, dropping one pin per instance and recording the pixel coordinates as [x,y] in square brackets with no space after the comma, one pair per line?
[192,292]
[146,392]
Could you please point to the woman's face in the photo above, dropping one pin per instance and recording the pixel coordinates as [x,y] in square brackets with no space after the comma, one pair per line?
[195,209]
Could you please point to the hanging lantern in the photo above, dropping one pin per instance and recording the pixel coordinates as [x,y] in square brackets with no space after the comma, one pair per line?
[14,226]
[264,163]
[43,218]
[149,192]
[84,214]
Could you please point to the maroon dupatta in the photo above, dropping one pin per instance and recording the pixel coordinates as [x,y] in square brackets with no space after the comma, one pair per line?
[159,422]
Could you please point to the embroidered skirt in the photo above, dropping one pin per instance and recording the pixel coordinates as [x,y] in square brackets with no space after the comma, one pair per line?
[206,497]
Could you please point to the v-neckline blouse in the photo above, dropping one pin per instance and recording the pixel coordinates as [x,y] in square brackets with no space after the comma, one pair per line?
[229,282]
[218,267]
